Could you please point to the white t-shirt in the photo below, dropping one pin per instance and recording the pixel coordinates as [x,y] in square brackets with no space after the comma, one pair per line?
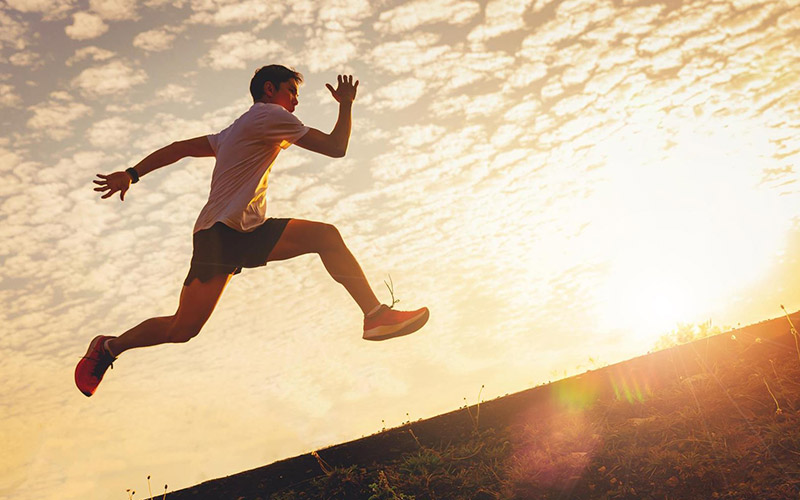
[245,153]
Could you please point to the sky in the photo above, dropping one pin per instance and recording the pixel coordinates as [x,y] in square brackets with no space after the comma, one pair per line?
[560,181]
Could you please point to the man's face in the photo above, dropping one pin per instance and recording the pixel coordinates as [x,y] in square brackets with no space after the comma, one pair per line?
[286,95]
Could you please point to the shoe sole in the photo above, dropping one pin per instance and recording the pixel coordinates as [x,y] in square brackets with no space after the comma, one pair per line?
[406,330]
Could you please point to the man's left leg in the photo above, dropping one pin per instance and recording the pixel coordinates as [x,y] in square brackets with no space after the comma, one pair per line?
[381,322]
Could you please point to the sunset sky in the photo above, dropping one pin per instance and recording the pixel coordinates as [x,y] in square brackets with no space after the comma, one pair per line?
[560,182]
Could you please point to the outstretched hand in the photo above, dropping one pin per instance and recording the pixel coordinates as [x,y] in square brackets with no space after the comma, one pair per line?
[118,181]
[346,90]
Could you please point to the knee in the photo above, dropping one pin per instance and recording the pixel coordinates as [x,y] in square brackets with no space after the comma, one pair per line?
[329,237]
[181,331]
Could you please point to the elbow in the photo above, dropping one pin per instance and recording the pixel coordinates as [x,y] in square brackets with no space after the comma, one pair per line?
[336,151]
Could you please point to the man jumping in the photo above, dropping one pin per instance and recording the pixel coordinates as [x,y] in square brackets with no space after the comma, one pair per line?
[233,232]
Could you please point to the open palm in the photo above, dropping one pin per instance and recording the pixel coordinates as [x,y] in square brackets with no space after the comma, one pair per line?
[346,90]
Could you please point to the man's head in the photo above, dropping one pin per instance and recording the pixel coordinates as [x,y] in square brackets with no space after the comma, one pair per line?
[276,84]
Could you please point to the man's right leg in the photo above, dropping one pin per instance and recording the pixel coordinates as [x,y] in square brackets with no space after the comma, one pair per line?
[197,302]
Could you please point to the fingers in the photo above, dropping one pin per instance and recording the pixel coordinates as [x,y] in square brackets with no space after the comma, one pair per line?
[345,89]
[346,79]
[112,192]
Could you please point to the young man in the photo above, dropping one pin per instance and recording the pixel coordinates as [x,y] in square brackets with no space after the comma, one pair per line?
[233,232]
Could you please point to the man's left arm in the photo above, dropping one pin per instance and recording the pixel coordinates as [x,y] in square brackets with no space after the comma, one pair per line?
[335,143]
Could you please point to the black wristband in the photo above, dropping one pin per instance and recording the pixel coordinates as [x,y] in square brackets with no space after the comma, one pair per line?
[134,175]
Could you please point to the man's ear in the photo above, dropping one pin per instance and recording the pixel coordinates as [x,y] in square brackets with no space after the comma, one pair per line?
[269,89]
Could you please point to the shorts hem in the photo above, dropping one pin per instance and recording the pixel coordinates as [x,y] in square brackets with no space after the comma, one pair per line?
[223,250]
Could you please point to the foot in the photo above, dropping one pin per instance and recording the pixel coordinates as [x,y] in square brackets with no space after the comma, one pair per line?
[388,323]
[93,366]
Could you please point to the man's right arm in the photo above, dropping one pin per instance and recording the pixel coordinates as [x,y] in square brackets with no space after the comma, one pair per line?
[121,181]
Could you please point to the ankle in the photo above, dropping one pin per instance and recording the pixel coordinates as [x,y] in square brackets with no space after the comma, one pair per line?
[375,310]
[108,348]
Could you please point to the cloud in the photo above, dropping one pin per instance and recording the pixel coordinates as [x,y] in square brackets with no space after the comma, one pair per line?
[114,10]
[526,73]
[461,68]
[444,68]
[111,132]
[397,95]
[346,13]
[8,160]
[404,56]
[111,78]
[50,9]
[176,93]
[91,52]
[417,136]
[330,48]
[417,13]
[234,50]
[165,127]
[55,116]
[26,58]
[501,17]
[157,4]
[8,98]
[790,20]
[471,106]
[86,26]
[13,33]
[156,40]
[230,12]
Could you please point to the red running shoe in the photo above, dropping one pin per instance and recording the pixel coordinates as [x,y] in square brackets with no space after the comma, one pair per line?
[388,323]
[93,366]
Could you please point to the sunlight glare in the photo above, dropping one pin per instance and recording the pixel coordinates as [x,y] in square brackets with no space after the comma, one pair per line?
[684,222]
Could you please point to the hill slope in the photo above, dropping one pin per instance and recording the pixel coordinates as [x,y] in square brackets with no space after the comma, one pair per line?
[716,418]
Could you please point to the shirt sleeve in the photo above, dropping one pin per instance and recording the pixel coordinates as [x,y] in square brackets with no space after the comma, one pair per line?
[216,139]
[285,128]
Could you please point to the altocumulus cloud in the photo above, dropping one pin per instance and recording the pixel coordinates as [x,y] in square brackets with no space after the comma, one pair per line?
[8,97]
[13,33]
[111,132]
[412,15]
[54,117]
[85,26]
[225,12]
[235,50]
[114,10]
[50,9]
[91,52]
[156,40]
[111,78]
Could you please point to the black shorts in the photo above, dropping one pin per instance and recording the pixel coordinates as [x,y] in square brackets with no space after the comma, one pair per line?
[222,250]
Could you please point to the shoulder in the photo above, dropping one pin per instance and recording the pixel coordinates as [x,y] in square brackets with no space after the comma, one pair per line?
[274,113]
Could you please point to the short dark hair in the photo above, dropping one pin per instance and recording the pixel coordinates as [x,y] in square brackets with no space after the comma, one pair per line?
[274,73]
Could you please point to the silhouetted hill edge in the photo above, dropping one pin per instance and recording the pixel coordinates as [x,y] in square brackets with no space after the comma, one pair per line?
[643,373]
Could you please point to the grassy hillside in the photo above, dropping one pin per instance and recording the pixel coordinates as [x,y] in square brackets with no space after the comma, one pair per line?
[716,418]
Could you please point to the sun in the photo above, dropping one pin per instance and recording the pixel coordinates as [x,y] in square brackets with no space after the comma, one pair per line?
[684,222]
